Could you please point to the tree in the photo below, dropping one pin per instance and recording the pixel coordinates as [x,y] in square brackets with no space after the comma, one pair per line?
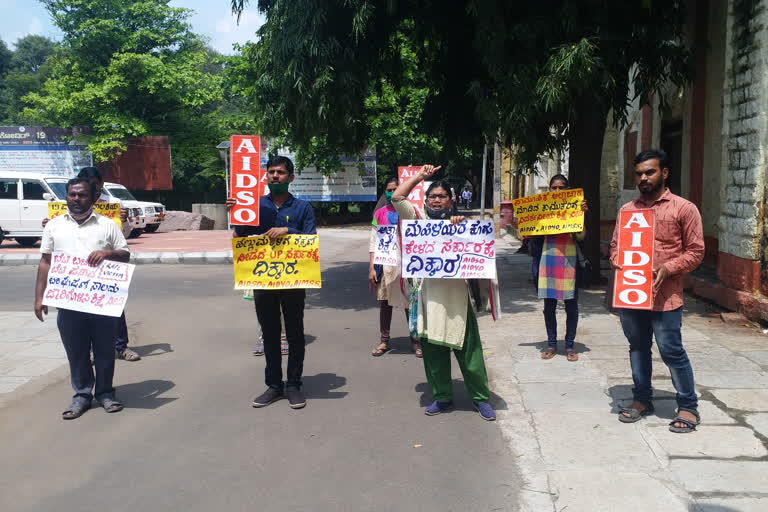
[539,75]
[31,53]
[124,68]
[28,68]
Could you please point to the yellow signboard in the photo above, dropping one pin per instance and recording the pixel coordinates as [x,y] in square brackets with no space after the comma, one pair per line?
[290,261]
[550,213]
[109,210]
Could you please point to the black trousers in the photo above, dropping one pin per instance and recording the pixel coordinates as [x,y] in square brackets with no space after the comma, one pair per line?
[81,333]
[269,304]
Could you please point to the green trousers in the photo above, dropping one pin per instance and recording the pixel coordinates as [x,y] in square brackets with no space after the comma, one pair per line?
[437,365]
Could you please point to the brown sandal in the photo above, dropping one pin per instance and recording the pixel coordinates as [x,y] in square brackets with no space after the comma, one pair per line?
[417,349]
[571,355]
[548,353]
[382,349]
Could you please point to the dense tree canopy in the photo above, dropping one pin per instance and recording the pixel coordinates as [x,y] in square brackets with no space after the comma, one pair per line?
[25,70]
[124,68]
[536,75]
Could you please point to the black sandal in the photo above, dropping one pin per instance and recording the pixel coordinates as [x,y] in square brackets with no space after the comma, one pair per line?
[689,427]
[634,414]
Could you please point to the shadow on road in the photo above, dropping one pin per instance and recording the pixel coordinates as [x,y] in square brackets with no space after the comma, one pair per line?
[321,386]
[145,395]
[345,287]
[149,350]
[625,390]
[461,401]
[540,345]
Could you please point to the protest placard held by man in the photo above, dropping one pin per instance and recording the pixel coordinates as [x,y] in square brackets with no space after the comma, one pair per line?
[280,213]
[81,232]
[678,249]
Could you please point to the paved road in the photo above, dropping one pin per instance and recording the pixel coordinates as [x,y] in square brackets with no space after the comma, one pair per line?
[189,439]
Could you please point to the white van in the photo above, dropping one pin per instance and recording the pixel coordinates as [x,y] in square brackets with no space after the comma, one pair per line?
[153,213]
[24,201]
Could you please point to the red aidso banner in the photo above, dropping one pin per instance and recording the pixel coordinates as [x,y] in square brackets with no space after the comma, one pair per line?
[245,175]
[633,288]
[416,197]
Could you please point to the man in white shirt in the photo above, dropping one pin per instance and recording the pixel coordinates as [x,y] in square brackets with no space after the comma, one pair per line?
[81,232]
[467,197]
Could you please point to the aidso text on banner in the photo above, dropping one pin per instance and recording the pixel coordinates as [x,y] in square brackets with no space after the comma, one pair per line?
[245,164]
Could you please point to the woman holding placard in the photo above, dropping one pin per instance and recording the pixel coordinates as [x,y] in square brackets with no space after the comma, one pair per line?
[391,290]
[445,316]
[557,273]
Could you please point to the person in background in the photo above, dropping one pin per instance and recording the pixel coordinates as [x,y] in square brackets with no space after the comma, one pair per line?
[83,233]
[391,290]
[446,316]
[94,177]
[557,275]
[466,196]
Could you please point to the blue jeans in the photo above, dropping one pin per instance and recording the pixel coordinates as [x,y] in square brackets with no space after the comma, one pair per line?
[571,321]
[81,333]
[121,335]
[639,326]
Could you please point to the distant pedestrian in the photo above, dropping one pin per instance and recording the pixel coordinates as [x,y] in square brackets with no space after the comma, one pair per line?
[466,196]
[446,316]
[391,290]
[557,275]
[678,249]
[280,213]
[83,233]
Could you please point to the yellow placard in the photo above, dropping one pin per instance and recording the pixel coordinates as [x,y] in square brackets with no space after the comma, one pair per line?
[109,210]
[290,261]
[550,213]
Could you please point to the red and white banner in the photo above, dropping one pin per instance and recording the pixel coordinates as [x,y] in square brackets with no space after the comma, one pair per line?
[633,288]
[416,197]
[245,164]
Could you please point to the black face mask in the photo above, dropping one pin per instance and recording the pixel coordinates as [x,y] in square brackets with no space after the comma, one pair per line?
[443,213]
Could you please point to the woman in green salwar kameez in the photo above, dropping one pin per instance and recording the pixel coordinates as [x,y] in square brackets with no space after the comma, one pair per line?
[446,316]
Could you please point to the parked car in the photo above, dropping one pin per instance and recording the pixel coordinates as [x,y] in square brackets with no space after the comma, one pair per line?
[24,199]
[153,213]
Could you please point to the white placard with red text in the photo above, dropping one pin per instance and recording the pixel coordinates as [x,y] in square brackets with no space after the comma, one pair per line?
[633,286]
[73,284]
[387,251]
[245,163]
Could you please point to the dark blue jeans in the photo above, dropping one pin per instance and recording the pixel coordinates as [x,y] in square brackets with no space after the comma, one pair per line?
[571,321]
[639,327]
[268,304]
[121,334]
[81,333]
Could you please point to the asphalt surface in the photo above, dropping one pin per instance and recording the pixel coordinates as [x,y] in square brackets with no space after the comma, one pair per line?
[190,440]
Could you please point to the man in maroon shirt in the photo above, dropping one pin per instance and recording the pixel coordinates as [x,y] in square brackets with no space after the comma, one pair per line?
[678,249]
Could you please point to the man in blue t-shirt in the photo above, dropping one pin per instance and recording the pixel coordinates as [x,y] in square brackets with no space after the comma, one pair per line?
[281,214]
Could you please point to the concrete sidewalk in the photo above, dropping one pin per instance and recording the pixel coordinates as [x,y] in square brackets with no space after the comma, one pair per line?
[560,417]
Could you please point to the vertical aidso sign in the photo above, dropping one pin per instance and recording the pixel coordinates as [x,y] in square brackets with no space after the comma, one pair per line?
[245,152]
[633,288]
[416,197]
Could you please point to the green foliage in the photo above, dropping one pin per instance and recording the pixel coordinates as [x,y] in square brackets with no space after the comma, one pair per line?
[124,69]
[518,70]
[26,69]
